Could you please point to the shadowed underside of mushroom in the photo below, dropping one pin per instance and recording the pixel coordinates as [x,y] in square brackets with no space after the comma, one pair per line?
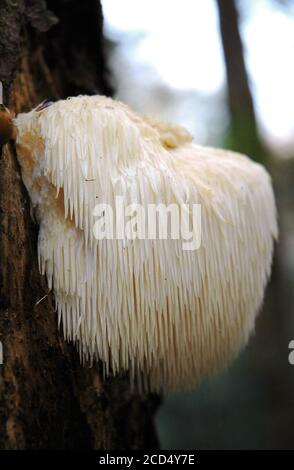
[169,315]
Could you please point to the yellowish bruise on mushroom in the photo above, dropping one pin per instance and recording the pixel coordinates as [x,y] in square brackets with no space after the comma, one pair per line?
[169,316]
[171,135]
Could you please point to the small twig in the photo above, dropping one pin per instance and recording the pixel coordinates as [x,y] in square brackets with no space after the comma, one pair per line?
[40,300]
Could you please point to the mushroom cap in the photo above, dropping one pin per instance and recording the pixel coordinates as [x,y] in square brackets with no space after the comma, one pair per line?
[167,315]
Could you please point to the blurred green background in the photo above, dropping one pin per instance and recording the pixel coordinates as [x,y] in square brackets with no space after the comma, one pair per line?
[225,70]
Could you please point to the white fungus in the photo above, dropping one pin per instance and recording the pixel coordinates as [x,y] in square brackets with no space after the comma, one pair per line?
[164,314]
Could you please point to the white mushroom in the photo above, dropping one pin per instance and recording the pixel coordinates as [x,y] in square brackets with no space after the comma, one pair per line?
[167,315]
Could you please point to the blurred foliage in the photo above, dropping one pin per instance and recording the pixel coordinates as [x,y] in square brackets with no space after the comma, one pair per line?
[242,138]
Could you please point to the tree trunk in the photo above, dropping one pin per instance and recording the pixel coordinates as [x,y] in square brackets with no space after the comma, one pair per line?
[47,399]
[243,133]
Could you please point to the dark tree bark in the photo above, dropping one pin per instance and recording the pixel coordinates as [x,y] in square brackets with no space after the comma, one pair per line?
[243,132]
[47,399]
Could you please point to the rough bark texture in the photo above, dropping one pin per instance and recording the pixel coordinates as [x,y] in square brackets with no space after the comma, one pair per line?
[47,399]
[243,132]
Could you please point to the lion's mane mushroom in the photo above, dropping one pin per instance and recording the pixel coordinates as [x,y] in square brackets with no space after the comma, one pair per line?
[147,306]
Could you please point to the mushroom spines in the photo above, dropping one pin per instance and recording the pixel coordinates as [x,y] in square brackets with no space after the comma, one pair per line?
[147,305]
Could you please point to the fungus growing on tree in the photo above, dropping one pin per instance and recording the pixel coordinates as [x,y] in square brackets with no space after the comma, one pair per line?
[170,316]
